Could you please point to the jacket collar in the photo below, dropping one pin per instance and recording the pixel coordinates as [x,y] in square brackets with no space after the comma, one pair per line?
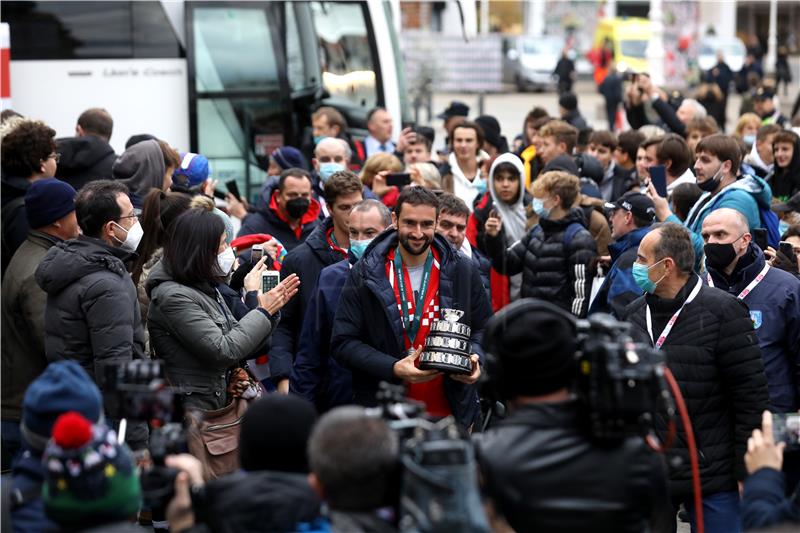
[747,268]
[574,215]
[43,239]
[667,305]
[627,241]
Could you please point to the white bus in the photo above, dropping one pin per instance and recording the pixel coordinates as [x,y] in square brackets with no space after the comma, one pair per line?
[230,80]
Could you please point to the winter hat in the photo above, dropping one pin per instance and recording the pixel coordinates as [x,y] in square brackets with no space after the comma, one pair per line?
[63,386]
[47,200]
[534,343]
[562,162]
[89,478]
[194,169]
[275,432]
[289,157]
[229,235]
[568,101]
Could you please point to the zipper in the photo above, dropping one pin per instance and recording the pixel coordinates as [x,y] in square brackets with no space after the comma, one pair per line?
[217,427]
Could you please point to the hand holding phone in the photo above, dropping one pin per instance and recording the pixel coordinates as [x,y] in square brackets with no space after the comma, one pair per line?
[269,280]
[233,188]
[658,176]
[398,179]
[493,224]
[256,253]
[787,249]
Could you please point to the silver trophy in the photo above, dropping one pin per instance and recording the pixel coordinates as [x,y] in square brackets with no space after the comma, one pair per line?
[447,347]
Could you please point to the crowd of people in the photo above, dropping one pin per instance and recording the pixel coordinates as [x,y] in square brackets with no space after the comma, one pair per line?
[688,234]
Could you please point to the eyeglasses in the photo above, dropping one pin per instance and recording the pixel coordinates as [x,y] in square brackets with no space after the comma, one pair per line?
[55,155]
[130,216]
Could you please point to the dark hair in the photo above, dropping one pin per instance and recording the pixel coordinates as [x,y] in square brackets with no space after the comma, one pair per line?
[341,183]
[604,138]
[675,242]
[416,196]
[767,130]
[723,147]
[421,139]
[96,205]
[629,141]
[535,114]
[478,132]
[293,172]
[171,157]
[373,111]
[190,250]
[159,210]
[25,147]
[354,458]
[650,141]
[508,168]
[674,148]
[684,196]
[583,139]
[97,121]
[791,231]
[333,116]
[450,204]
[6,114]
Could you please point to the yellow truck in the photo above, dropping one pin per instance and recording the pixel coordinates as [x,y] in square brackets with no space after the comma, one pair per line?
[628,37]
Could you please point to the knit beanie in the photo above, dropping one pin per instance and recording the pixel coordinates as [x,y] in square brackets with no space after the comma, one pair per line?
[535,345]
[63,386]
[89,478]
[193,169]
[275,432]
[289,157]
[47,200]
[229,235]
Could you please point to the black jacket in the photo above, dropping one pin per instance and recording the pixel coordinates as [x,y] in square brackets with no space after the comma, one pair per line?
[550,270]
[544,474]
[713,353]
[14,226]
[84,159]
[575,119]
[307,261]
[368,331]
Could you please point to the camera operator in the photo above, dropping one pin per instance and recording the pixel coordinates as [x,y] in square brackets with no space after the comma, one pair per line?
[540,465]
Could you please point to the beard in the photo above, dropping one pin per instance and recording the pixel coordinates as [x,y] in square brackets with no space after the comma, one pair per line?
[413,248]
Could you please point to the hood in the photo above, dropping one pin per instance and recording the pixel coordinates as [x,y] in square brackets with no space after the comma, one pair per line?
[81,153]
[14,187]
[265,195]
[158,275]
[69,261]
[317,240]
[753,158]
[757,188]
[514,218]
[508,157]
[141,167]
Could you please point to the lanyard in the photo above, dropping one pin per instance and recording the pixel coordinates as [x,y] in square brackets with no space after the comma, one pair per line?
[747,290]
[412,323]
[668,328]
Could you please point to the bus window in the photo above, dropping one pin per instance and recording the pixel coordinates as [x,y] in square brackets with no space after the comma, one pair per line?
[302,65]
[233,50]
[346,54]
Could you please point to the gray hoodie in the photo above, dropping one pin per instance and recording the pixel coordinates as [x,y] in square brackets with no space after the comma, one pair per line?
[141,167]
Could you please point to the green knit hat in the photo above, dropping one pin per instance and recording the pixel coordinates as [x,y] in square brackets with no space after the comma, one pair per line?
[89,478]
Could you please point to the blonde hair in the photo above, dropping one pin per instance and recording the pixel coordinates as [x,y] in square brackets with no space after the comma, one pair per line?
[745,120]
[429,174]
[556,182]
[203,202]
[378,163]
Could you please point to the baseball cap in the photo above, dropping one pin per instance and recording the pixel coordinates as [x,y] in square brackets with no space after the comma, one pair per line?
[455,109]
[764,93]
[637,203]
[792,204]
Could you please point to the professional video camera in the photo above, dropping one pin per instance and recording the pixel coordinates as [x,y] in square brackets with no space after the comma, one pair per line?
[439,487]
[620,382]
[138,391]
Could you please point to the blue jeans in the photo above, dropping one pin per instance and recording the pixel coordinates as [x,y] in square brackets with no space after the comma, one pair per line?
[11,442]
[720,512]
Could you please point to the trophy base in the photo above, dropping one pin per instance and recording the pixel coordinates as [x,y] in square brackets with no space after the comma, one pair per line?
[448,363]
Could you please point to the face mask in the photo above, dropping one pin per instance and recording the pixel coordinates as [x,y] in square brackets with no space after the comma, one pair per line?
[480,185]
[326,170]
[712,184]
[540,209]
[641,276]
[749,140]
[133,238]
[297,207]
[318,138]
[783,227]
[357,248]
[225,260]
[719,256]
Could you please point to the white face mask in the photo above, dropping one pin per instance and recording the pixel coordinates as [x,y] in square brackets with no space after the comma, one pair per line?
[225,260]
[133,237]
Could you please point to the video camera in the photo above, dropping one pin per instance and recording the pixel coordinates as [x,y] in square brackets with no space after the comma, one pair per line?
[137,390]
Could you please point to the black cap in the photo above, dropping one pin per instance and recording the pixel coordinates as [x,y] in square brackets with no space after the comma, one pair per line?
[764,93]
[564,163]
[637,203]
[455,109]
[792,204]
[491,130]
[568,101]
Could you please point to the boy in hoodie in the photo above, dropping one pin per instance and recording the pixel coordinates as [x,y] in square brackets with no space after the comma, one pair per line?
[88,156]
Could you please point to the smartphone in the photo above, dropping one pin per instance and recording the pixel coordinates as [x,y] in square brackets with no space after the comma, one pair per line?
[270,280]
[760,237]
[786,428]
[256,253]
[398,179]
[658,175]
[233,188]
[219,194]
[787,249]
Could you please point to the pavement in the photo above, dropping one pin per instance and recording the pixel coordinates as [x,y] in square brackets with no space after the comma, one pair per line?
[510,108]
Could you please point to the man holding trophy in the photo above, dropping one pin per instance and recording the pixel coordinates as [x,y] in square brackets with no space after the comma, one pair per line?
[413,311]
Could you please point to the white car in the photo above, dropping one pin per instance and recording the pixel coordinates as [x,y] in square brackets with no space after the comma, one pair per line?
[732,48]
[529,62]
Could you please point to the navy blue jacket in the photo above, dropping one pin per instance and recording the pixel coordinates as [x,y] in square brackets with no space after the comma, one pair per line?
[307,261]
[316,376]
[484,266]
[618,289]
[764,504]
[775,311]
[28,477]
[368,331]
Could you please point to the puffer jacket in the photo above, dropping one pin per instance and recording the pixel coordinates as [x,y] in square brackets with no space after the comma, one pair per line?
[713,353]
[92,313]
[550,270]
[368,336]
[774,306]
[194,332]
[543,472]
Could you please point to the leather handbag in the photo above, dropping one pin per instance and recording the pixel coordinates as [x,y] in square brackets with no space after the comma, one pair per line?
[213,437]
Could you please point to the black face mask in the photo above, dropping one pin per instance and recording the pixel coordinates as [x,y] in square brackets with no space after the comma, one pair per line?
[719,256]
[710,185]
[297,207]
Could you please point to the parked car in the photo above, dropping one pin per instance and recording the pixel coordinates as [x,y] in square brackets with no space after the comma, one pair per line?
[732,48]
[529,62]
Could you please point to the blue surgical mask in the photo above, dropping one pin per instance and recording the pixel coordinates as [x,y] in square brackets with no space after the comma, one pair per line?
[540,209]
[783,227]
[480,185]
[326,170]
[641,277]
[357,248]
[750,139]
[318,138]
